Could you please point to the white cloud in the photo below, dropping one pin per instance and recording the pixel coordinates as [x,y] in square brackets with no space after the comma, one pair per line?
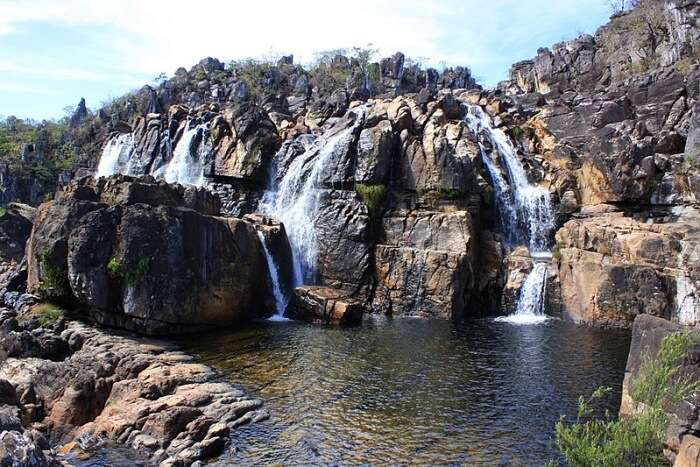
[54,73]
[10,86]
[160,35]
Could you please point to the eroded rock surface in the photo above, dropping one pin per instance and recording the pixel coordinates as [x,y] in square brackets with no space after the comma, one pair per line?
[144,394]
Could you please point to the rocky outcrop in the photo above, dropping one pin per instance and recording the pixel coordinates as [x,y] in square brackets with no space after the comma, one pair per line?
[137,255]
[424,265]
[681,442]
[612,268]
[115,389]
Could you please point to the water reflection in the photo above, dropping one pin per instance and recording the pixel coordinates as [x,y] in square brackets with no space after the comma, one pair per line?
[412,391]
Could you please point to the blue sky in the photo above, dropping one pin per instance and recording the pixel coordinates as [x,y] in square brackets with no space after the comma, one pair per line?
[53,52]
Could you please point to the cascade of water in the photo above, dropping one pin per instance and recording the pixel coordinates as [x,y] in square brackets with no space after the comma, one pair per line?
[504,198]
[531,302]
[295,201]
[525,214]
[187,165]
[532,210]
[115,155]
[280,299]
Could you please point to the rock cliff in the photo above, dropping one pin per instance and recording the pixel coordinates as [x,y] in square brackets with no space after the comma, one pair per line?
[147,256]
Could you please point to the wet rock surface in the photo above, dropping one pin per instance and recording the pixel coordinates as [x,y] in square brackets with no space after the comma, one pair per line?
[325,305]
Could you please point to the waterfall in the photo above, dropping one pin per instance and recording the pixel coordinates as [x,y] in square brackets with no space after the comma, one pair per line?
[187,165]
[529,209]
[525,214]
[504,198]
[280,299]
[115,155]
[296,199]
[531,302]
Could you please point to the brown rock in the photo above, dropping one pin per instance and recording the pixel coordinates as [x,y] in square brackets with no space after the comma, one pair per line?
[324,305]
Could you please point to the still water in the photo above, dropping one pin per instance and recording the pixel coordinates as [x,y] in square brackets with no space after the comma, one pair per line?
[411,390]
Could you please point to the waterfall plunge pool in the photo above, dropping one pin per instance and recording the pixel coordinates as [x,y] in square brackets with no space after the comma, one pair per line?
[413,391]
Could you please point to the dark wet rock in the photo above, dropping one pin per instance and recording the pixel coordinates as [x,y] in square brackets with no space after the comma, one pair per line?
[15,227]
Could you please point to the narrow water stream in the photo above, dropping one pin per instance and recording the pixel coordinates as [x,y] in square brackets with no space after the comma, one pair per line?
[410,390]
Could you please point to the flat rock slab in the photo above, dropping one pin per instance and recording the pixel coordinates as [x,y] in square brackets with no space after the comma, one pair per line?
[325,305]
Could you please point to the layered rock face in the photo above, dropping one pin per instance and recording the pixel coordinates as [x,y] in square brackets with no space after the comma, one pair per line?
[613,268]
[404,240]
[147,256]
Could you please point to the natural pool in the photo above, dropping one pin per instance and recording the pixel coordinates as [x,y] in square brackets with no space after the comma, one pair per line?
[412,390]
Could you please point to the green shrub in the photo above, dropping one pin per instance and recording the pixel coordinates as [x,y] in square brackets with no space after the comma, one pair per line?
[200,74]
[114,268]
[372,196]
[46,313]
[556,252]
[639,438]
[53,278]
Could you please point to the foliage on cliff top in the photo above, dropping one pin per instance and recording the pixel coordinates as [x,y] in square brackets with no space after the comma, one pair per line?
[50,151]
[637,439]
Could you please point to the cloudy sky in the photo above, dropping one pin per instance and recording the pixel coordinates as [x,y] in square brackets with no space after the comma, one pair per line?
[52,52]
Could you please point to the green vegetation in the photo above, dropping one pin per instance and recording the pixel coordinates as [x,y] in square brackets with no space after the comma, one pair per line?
[47,313]
[200,74]
[50,152]
[637,439]
[451,193]
[134,276]
[53,278]
[115,270]
[372,196]
[252,72]
[329,73]
[556,252]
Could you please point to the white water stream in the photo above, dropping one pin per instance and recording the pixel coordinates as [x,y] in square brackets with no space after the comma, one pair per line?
[525,214]
[280,299]
[295,200]
[186,166]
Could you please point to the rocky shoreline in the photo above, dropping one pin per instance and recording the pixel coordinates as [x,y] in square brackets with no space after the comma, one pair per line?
[69,385]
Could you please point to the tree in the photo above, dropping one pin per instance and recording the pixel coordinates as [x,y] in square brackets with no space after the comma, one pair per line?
[160,78]
[651,24]
[618,6]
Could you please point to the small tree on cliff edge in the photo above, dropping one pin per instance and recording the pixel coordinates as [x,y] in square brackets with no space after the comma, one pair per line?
[618,6]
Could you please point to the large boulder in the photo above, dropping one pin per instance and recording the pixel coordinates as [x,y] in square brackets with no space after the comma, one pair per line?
[15,227]
[324,305]
[424,265]
[648,333]
[249,141]
[150,267]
